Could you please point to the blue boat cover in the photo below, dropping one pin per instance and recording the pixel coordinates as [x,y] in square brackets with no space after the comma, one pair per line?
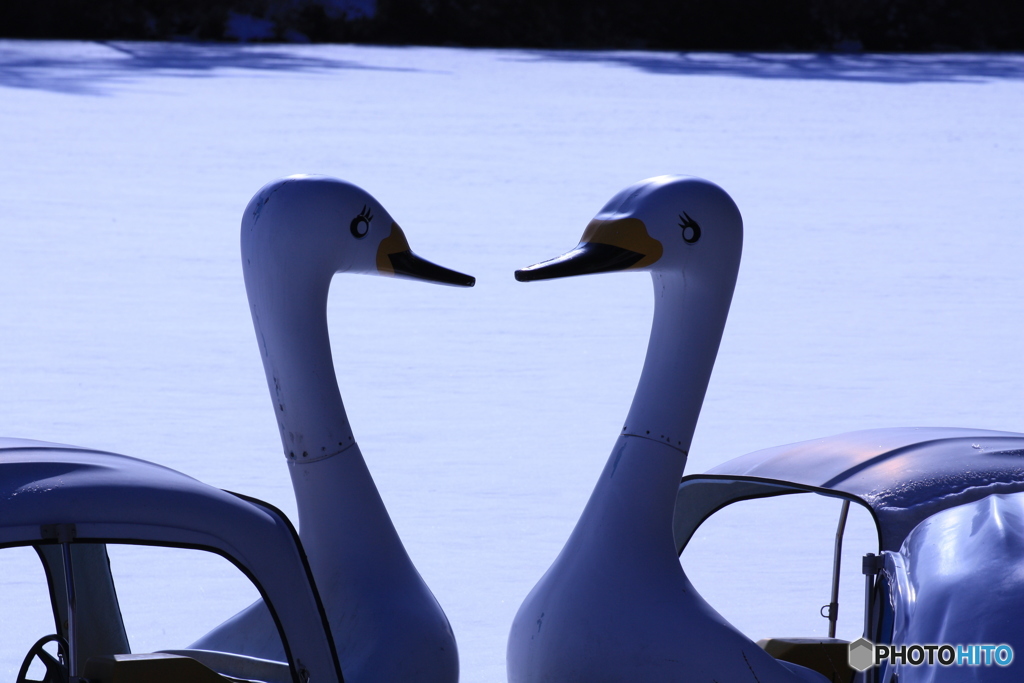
[902,475]
[53,493]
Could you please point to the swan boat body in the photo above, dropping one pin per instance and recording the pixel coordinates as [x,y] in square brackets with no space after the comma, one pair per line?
[948,506]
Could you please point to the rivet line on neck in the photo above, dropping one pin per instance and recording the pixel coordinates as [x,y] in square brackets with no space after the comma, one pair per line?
[664,441]
[304,458]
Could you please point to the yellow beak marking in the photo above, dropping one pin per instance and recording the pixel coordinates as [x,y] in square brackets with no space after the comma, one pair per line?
[395,243]
[625,233]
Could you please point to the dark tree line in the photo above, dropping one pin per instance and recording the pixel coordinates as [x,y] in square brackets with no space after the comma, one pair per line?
[815,25]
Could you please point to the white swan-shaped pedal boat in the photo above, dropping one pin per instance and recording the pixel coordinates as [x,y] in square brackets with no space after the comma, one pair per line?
[347,596]
[616,605]
[296,234]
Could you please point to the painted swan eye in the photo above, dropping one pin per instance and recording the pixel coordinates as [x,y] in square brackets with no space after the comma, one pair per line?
[691,231]
[360,225]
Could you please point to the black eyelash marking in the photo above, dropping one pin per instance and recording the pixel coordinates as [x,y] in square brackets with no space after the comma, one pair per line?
[360,225]
[691,230]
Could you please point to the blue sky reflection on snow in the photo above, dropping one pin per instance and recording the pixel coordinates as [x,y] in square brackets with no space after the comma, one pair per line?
[880,285]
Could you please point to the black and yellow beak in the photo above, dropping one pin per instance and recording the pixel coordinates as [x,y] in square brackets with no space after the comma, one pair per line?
[395,258]
[607,245]
[586,258]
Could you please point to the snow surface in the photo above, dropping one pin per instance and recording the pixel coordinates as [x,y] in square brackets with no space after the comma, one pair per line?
[881,286]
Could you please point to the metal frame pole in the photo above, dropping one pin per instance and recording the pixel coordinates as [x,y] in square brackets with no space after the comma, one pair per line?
[69,582]
[833,606]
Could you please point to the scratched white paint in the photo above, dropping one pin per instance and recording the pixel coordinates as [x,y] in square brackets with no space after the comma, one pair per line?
[880,285]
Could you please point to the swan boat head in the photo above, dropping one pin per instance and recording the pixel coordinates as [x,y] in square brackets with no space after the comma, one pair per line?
[688,233]
[662,224]
[330,226]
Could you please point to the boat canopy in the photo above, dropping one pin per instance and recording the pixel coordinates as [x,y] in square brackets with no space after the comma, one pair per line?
[901,475]
[51,493]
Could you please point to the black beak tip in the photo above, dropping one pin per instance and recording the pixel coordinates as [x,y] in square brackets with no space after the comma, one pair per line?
[452,278]
[524,275]
[408,264]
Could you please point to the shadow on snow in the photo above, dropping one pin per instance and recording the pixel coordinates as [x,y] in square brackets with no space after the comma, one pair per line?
[77,67]
[869,68]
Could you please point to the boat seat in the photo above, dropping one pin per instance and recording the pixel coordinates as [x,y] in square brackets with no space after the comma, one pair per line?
[150,668]
[827,656]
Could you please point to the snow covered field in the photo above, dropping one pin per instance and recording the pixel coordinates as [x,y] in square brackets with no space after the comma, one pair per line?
[881,285]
